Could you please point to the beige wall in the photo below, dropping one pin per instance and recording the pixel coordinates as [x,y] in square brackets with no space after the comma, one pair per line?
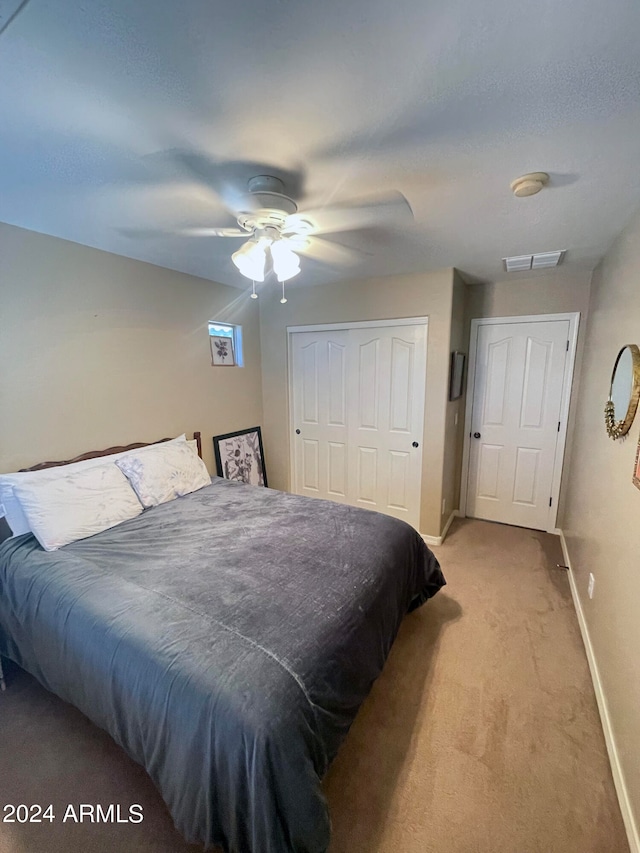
[554,292]
[454,432]
[557,291]
[374,299]
[99,350]
[602,519]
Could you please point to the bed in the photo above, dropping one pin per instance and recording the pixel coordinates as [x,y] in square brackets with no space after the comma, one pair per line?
[225,639]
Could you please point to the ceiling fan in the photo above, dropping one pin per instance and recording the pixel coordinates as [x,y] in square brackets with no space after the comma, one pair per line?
[276,233]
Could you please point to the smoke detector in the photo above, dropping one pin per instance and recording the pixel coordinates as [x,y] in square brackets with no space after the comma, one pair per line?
[529,184]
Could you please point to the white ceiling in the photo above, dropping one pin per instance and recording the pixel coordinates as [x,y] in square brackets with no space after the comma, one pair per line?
[444,100]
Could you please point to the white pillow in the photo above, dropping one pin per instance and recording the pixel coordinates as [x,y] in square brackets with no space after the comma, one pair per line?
[164,472]
[81,504]
[16,518]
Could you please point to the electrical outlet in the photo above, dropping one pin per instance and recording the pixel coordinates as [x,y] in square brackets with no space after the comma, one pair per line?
[444,505]
[592,583]
[455,420]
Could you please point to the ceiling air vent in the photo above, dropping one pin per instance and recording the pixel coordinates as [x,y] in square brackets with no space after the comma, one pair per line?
[543,260]
[546,259]
[517,263]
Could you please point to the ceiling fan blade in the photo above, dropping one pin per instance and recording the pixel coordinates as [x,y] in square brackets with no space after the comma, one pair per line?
[149,233]
[212,232]
[220,177]
[391,209]
[325,251]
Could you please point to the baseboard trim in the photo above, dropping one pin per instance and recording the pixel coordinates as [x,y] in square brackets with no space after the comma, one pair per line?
[438,540]
[614,759]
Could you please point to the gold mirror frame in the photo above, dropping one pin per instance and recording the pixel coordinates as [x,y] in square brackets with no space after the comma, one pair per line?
[616,429]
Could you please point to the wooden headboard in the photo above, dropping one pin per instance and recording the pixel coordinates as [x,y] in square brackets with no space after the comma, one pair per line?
[93,454]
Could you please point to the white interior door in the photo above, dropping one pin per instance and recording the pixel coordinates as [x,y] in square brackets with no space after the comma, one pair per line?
[357,400]
[515,420]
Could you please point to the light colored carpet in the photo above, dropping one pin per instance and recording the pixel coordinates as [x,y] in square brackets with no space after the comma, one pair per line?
[481,736]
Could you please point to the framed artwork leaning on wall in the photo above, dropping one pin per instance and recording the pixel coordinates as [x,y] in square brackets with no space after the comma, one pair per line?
[239,456]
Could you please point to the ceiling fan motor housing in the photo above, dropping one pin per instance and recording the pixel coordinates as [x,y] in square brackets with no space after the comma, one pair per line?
[272,205]
[273,211]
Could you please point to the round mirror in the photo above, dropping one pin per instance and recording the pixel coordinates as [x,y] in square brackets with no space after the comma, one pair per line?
[624,392]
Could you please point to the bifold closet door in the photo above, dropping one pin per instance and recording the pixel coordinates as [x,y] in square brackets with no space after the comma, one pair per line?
[358,412]
[318,392]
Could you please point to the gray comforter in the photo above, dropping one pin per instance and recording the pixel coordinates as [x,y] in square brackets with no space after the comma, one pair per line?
[226,641]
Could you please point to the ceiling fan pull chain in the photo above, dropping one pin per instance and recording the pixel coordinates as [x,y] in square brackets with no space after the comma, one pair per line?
[254,295]
[284,298]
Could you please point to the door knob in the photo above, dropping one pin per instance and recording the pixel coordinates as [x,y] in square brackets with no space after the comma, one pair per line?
[297,432]
[414,444]
[476,435]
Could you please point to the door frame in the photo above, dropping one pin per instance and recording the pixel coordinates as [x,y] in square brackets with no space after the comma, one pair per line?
[574,322]
[360,324]
[332,327]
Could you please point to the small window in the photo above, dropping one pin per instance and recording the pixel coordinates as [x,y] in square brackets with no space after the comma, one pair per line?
[226,330]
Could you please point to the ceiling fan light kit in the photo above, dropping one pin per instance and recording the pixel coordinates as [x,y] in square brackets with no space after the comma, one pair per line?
[286,263]
[267,224]
[250,259]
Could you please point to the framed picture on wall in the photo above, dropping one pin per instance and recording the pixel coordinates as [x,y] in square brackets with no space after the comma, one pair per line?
[222,352]
[239,456]
[456,375]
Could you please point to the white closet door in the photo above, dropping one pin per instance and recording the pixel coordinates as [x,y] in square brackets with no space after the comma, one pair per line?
[358,403]
[319,403]
[517,397]
[386,391]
